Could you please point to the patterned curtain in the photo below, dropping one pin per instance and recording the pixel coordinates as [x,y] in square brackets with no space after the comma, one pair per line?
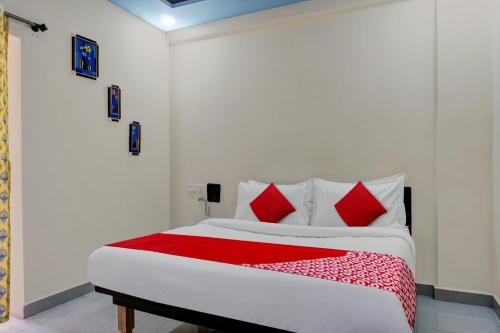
[4,173]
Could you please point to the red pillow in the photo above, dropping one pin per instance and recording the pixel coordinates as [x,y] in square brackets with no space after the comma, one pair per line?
[271,205]
[359,207]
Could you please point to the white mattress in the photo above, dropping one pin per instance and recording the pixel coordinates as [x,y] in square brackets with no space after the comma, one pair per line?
[285,301]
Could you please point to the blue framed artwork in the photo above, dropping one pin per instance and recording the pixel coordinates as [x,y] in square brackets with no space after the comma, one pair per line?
[114,103]
[85,60]
[134,138]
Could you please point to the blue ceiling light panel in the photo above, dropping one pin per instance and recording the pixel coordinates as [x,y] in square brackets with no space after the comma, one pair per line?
[171,15]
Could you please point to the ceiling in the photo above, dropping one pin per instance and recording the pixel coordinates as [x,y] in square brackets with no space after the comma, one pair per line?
[161,15]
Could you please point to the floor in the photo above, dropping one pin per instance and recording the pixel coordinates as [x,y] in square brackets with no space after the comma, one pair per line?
[95,313]
[443,317]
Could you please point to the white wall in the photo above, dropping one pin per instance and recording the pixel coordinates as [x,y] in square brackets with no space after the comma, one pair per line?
[347,94]
[81,189]
[464,144]
[16,181]
[496,149]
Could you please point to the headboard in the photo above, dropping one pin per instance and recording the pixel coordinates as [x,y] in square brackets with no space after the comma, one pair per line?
[407,201]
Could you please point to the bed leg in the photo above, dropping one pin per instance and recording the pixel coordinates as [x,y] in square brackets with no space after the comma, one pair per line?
[125,319]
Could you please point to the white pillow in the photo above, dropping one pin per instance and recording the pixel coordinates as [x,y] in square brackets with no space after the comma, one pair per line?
[297,194]
[389,191]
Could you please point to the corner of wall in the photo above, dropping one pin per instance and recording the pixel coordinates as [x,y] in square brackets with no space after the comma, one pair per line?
[496,150]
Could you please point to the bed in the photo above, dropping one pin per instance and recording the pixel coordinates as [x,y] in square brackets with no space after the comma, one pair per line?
[244,298]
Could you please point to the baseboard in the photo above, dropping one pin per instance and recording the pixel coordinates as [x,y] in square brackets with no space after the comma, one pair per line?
[496,307]
[462,297]
[425,289]
[49,302]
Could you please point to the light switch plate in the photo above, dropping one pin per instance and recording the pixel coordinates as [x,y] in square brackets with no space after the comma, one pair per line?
[196,187]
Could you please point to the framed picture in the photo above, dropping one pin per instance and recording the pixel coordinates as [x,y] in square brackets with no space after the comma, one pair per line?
[114,103]
[134,138]
[85,61]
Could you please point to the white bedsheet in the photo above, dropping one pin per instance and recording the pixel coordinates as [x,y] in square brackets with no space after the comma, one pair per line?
[286,301]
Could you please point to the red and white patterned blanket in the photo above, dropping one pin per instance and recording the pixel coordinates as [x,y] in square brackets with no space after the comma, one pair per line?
[366,269]
[382,271]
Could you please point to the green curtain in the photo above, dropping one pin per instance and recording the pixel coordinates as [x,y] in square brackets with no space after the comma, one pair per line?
[4,173]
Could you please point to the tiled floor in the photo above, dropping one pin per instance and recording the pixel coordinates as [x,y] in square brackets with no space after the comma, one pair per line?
[92,313]
[95,313]
[443,317]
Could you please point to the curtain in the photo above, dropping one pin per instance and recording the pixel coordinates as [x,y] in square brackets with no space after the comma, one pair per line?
[4,173]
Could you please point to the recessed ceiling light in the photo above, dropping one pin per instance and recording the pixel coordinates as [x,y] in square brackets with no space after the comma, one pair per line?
[168,21]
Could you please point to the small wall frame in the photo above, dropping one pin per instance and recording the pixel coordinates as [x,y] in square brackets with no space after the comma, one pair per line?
[85,57]
[134,138]
[114,103]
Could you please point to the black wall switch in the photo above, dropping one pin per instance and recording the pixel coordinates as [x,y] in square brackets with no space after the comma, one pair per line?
[213,192]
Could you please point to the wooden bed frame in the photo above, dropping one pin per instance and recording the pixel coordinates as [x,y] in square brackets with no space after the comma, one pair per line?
[127,304]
